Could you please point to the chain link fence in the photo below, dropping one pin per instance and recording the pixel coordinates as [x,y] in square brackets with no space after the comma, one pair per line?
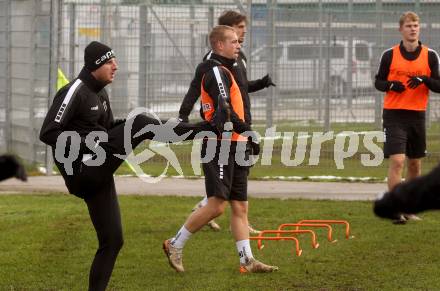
[322,55]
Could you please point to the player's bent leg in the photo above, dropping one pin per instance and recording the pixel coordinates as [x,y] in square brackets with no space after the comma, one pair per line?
[214,208]
[173,247]
[212,224]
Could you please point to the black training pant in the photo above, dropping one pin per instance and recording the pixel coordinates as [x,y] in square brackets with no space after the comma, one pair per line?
[106,218]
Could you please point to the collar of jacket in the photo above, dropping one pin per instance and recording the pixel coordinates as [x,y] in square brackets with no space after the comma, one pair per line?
[228,63]
[86,76]
[414,53]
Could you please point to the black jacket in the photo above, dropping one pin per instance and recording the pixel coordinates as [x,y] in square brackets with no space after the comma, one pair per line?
[240,75]
[211,86]
[82,106]
[433,82]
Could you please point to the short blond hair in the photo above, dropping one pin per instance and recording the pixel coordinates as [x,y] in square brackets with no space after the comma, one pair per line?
[218,33]
[410,16]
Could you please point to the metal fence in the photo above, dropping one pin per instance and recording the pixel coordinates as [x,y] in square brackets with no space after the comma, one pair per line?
[321,54]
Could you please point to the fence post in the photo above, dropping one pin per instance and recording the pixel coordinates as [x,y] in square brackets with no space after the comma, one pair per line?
[380,42]
[53,68]
[327,73]
[104,29]
[72,40]
[349,84]
[271,57]
[8,123]
[248,47]
[32,45]
[321,61]
[142,89]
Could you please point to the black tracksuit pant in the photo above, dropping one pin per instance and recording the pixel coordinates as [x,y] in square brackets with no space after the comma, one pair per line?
[106,218]
[95,184]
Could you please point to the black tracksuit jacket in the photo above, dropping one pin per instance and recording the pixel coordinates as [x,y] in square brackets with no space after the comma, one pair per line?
[240,75]
[211,87]
[82,106]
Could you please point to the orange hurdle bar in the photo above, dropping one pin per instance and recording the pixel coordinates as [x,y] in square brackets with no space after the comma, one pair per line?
[329,233]
[260,238]
[347,225]
[315,244]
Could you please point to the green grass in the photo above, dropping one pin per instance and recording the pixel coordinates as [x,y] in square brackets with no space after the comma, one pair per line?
[47,243]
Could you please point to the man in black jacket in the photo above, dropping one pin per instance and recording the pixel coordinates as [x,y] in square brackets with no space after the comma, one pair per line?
[89,145]
[237,21]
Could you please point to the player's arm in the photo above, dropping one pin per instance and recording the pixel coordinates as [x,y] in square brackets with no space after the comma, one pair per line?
[217,84]
[60,113]
[381,83]
[191,96]
[260,84]
[433,81]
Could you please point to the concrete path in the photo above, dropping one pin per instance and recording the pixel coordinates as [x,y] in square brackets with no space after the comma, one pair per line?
[196,187]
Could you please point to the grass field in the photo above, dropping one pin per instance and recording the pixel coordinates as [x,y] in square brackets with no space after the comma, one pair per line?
[47,243]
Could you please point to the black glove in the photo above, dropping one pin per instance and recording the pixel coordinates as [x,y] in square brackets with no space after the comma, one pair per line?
[116,122]
[183,118]
[255,146]
[267,81]
[415,81]
[396,86]
[11,167]
[221,119]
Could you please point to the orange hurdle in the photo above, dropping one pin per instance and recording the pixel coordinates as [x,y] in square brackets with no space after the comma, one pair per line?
[347,225]
[260,245]
[329,233]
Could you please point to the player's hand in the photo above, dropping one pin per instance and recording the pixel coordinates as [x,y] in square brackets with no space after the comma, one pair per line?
[255,146]
[415,81]
[267,81]
[396,86]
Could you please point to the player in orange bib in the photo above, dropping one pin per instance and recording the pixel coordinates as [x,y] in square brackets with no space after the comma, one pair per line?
[225,175]
[407,72]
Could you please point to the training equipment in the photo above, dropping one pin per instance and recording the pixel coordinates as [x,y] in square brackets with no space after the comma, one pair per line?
[282,234]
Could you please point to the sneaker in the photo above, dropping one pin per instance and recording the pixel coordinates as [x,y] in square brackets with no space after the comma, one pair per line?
[174,255]
[253,230]
[213,225]
[412,217]
[254,266]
